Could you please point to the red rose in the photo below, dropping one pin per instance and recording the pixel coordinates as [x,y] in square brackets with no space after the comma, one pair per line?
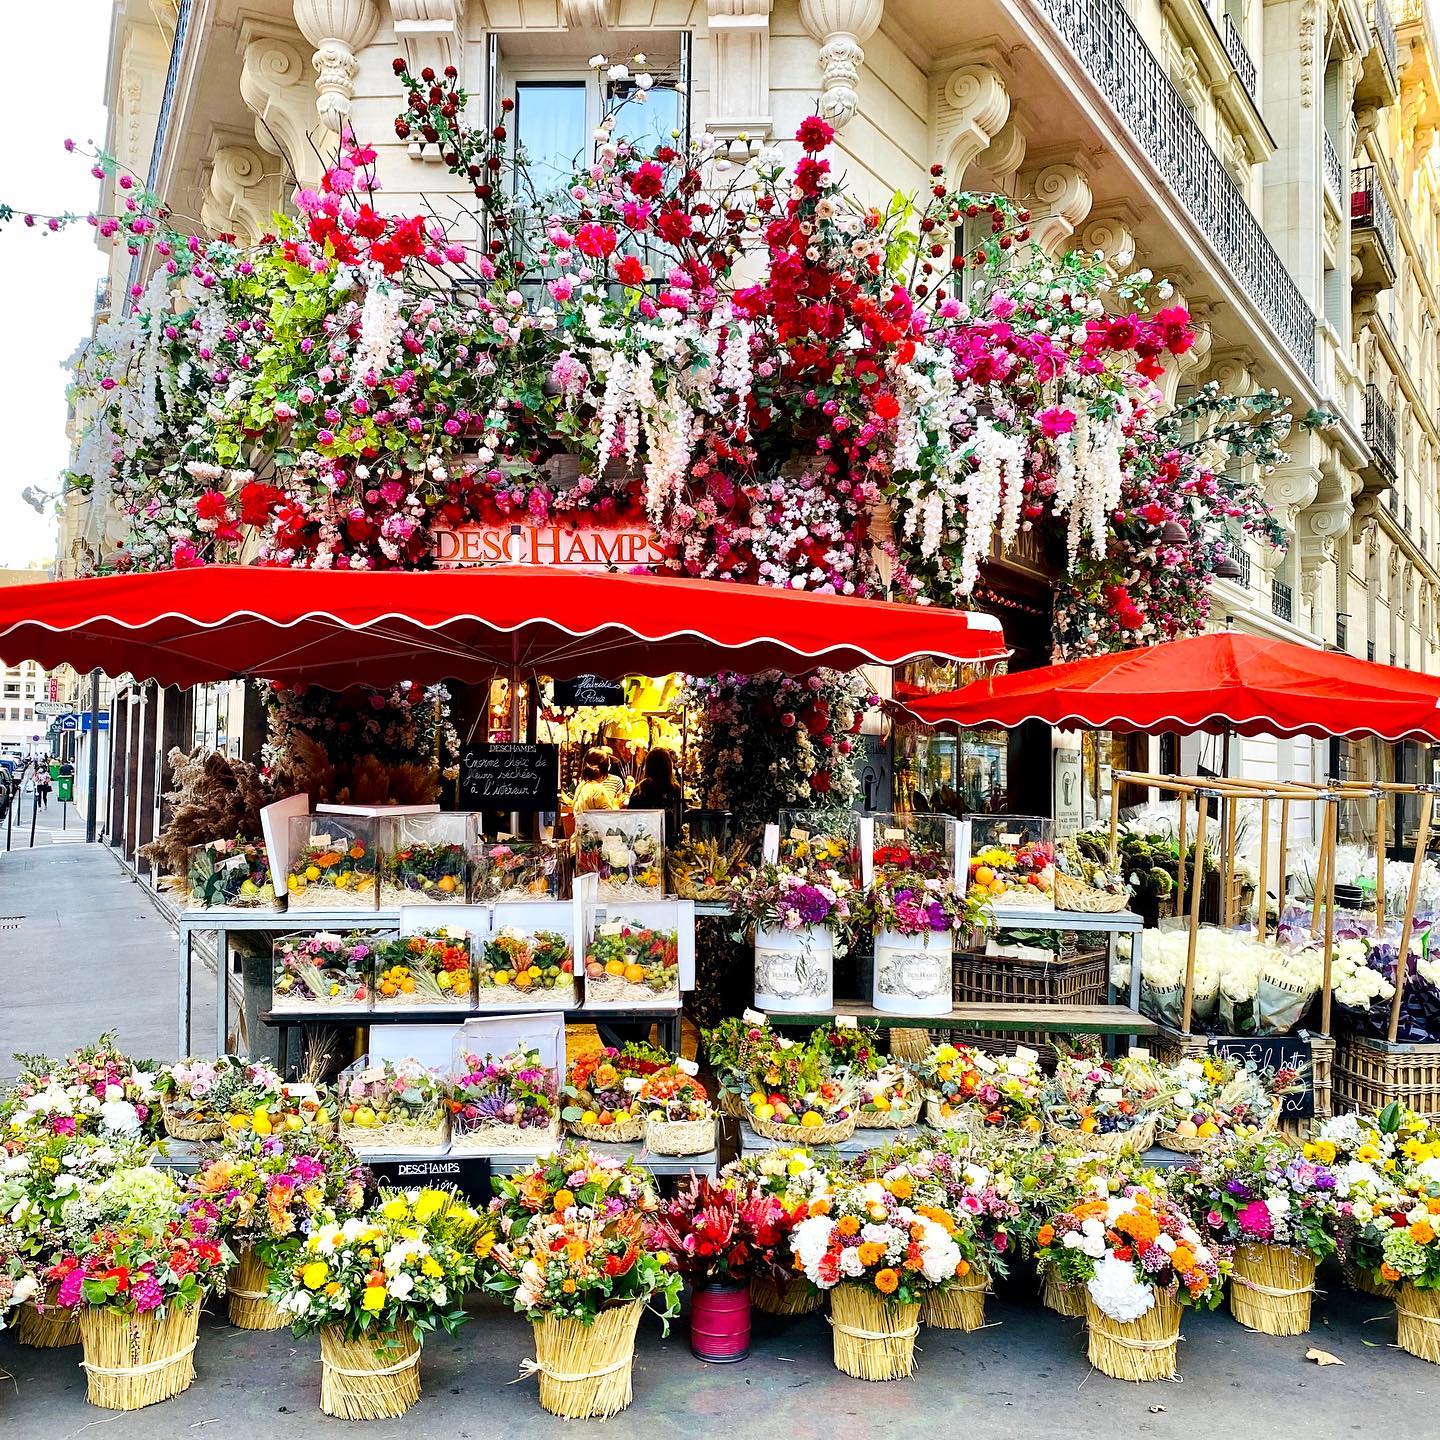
[596,241]
[814,134]
[630,271]
[648,181]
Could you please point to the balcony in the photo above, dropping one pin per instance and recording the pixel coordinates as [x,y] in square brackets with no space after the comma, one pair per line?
[1282,600]
[1334,169]
[1372,231]
[1378,82]
[1380,437]
[1240,58]
[1122,65]
[1342,633]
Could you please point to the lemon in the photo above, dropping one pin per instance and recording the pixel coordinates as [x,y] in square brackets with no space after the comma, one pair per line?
[812,1120]
[312,872]
[764,1112]
[589,1118]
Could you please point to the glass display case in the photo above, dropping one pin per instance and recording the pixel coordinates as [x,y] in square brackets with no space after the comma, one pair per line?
[324,971]
[423,859]
[1011,860]
[625,850]
[333,863]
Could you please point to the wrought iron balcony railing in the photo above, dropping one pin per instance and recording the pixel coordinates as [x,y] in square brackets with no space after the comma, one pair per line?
[1334,169]
[1380,433]
[1383,26]
[1239,54]
[1282,600]
[1370,210]
[1121,63]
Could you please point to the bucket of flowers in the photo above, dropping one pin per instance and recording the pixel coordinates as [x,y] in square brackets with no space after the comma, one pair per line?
[891,1098]
[96,1083]
[270,1194]
[736,1048]
[373,1285]
[333,863]
[532,969]
[914,922]
[974,1092]
[625,849]
[1278,1213]
[1140,1260]
[390,1105]
[430,968]
[630,965]
[1218,1098]
[879,1256]
[187,1091]
[508,868]
[572,1256]
[322,970]
[504,1102]
[793,1176]
[601,1091]
[679,1119]
[716,1231]
[1104,1106]
[423,859]
[804,1101]
[796,915]
[230,874]
[136,1262]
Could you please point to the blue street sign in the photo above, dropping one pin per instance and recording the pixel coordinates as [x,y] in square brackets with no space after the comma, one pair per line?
[104,720]
[68,722]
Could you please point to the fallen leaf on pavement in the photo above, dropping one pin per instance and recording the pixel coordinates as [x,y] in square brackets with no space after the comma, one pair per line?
[1323,1357]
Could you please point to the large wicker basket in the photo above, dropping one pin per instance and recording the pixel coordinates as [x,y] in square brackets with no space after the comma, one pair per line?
[1063,1299]
[182,1127]
[897,1117]
[1075,895]
[132,1361]
[1271,1288]
[621,1133]
[1115,1142]
[585,1370]
[1369,1074]
[1142,1349]
[1169,1045]
[831,1134]
[679,1137]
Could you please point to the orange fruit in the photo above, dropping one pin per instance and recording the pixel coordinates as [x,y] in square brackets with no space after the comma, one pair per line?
[614,967]
[634,974]
[983,874]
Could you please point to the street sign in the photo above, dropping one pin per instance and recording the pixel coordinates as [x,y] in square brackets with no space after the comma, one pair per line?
[69,722]
[104,717]
[53,707]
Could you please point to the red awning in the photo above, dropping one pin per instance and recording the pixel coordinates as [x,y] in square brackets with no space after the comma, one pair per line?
[1250,685]
[336,629]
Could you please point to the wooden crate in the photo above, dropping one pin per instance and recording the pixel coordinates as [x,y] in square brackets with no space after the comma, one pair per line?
[1369,1074]
[1005,980]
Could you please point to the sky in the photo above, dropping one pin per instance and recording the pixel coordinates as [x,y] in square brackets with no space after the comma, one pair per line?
[47,282]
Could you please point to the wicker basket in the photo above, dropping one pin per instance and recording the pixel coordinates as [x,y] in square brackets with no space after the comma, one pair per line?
[1010,980]
[1271,1288]
[178,1127]
[1417,1322]
[585,1370]
[1063,1299]
[1116,1142]
[794,1297]
[1369,1074]
[960,1305]
[1075,895]
[1200,1144]
[831,1134]
[732,1105]
[376,1377]
[132,1361]
[1142,1349]
[623,1132]
[874,1338]
[897,1117]
[50,1328]
[965,1119]
[1366,1283]
[679,1137]
[248,1295]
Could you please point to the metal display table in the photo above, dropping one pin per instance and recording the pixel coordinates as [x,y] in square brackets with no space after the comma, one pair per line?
[1079,1019]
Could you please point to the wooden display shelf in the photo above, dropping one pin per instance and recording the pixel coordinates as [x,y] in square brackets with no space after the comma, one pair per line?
[1078,1019]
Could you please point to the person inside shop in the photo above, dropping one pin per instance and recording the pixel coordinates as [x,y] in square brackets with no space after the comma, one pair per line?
[615,780]
[659,790]
[595,792]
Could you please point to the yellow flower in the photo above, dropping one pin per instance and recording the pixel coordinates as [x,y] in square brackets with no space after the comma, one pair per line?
[395,1209]
[374,1297]
[315,1274]
[1367,1154]
[431,1266]
[428,1205]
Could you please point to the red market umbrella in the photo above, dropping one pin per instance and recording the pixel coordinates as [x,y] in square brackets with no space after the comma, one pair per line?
[1243,683]
[336,629]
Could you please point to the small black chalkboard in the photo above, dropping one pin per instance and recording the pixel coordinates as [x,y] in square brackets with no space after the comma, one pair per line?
[523,778]
[469,1174]
[1276,1052]
[588,690]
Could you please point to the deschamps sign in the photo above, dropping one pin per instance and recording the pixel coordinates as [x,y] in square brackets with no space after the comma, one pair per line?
[591,548]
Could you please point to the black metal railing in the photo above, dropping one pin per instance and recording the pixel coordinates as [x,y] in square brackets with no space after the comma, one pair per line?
[1392,501]
[1334,168]
[1380,433]
[1370,210]
[1282,600]
[1239,54]
[1370,655]
[1383,26]
[1121,63]
[1242,559]
[1342,633]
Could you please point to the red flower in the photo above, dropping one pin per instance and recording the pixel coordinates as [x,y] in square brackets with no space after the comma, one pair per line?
[1176,329]
[886,407]
[212,505]
[673,226]
[648,181]
[814,134]
[596,241]
[630,271]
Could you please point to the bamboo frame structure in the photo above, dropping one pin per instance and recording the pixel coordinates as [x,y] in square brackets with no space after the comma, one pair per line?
[1262,900]
[1402,956]
[1184,805]
[1380,862]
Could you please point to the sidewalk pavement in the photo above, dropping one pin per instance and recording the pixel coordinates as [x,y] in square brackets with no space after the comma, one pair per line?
[83,949]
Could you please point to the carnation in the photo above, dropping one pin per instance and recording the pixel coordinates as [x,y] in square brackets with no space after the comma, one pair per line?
[1117,1290]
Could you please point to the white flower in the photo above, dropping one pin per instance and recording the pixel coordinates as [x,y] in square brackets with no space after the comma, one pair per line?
[401,1286]
[1117,1291]
[120,1116]
[618,72]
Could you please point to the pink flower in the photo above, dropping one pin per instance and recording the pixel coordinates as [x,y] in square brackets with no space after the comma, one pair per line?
[147,1294]
[1002,306]
[1056,421]
[1254,1220]
[561,289]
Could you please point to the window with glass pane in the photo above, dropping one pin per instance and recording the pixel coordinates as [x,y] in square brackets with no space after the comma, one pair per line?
[650,121]
[551,128]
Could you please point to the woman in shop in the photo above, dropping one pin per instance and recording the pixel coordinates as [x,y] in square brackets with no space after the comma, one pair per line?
[595,792]
[659,790]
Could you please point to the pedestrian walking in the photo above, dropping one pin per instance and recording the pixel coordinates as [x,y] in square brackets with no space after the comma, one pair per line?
[42,789]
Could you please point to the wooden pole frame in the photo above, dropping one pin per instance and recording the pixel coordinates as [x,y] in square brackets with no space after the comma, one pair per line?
[1183,802]
[1197,888]
[1380,863]
[1402,957]
[1331,829]
[1262,901]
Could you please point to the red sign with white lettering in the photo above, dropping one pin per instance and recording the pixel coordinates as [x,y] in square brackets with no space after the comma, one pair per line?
[620,547]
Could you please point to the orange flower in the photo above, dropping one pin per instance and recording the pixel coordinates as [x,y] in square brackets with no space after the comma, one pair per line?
[1182,1257]
[1390,1273]
[887,1282]
[1044,1235]
[820,1206]
[1139,1225]
[1422,1232]
[900,1187]
[848,1225]
[869,1253]
[963,1268]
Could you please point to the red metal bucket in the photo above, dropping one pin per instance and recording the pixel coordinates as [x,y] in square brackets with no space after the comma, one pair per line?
[720,1322]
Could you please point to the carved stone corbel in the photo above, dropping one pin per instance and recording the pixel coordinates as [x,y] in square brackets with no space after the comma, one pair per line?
[276,85]
[841,27]
[244,193]
[972,110]
[338,29]
[1111,233]
[432,32]
[1059,198]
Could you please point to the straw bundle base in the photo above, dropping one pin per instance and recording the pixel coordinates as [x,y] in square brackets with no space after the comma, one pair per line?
[392,897]
[417,999]
[794,1297]
[909,1042]
[1142,1349]
[1115,1142]
[1366,1283]
[831,1134]
[132,1361]
[507,997]
[680,1137]
[622,1132]
[614,992]
[1271,1288]
[184,1127]
[897,1117]
[1417,1322]
[374,1378]
[398,1135]
[958,1306]
[585,1369]
[874,1338]
[482,1139]
[49,1329]
[1068,1300]
[964,1119]
[247,1295]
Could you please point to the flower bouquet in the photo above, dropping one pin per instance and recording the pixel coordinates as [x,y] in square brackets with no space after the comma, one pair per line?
[372,1285]
[321,970]
[573,1257]
[971,1091]
[626,849]
[391,1105]
[628,964]
[879,1256]
[511,869]
[136,1262]
[1012,861]
[254,1100]
[332,863]
[18,1285]
[805,1100]
[1278,1212]
[269,1195]
[430,968]
[96,1084]
[1219,1098]
[423,859]
[679,1119]
[914,922]
[796,915]
[233,874]
[791,1175]
[504,1102]
[737,1048]
[892,1098]
[601,1089]
[705,868]
[1140,1260]
[188,1091]
[529,969]
[1104,1106]
[823,841]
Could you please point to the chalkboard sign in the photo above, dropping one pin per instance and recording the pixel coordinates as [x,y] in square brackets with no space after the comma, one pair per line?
[1276,1052]
[523,778]
[588,690]
[469,1174]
